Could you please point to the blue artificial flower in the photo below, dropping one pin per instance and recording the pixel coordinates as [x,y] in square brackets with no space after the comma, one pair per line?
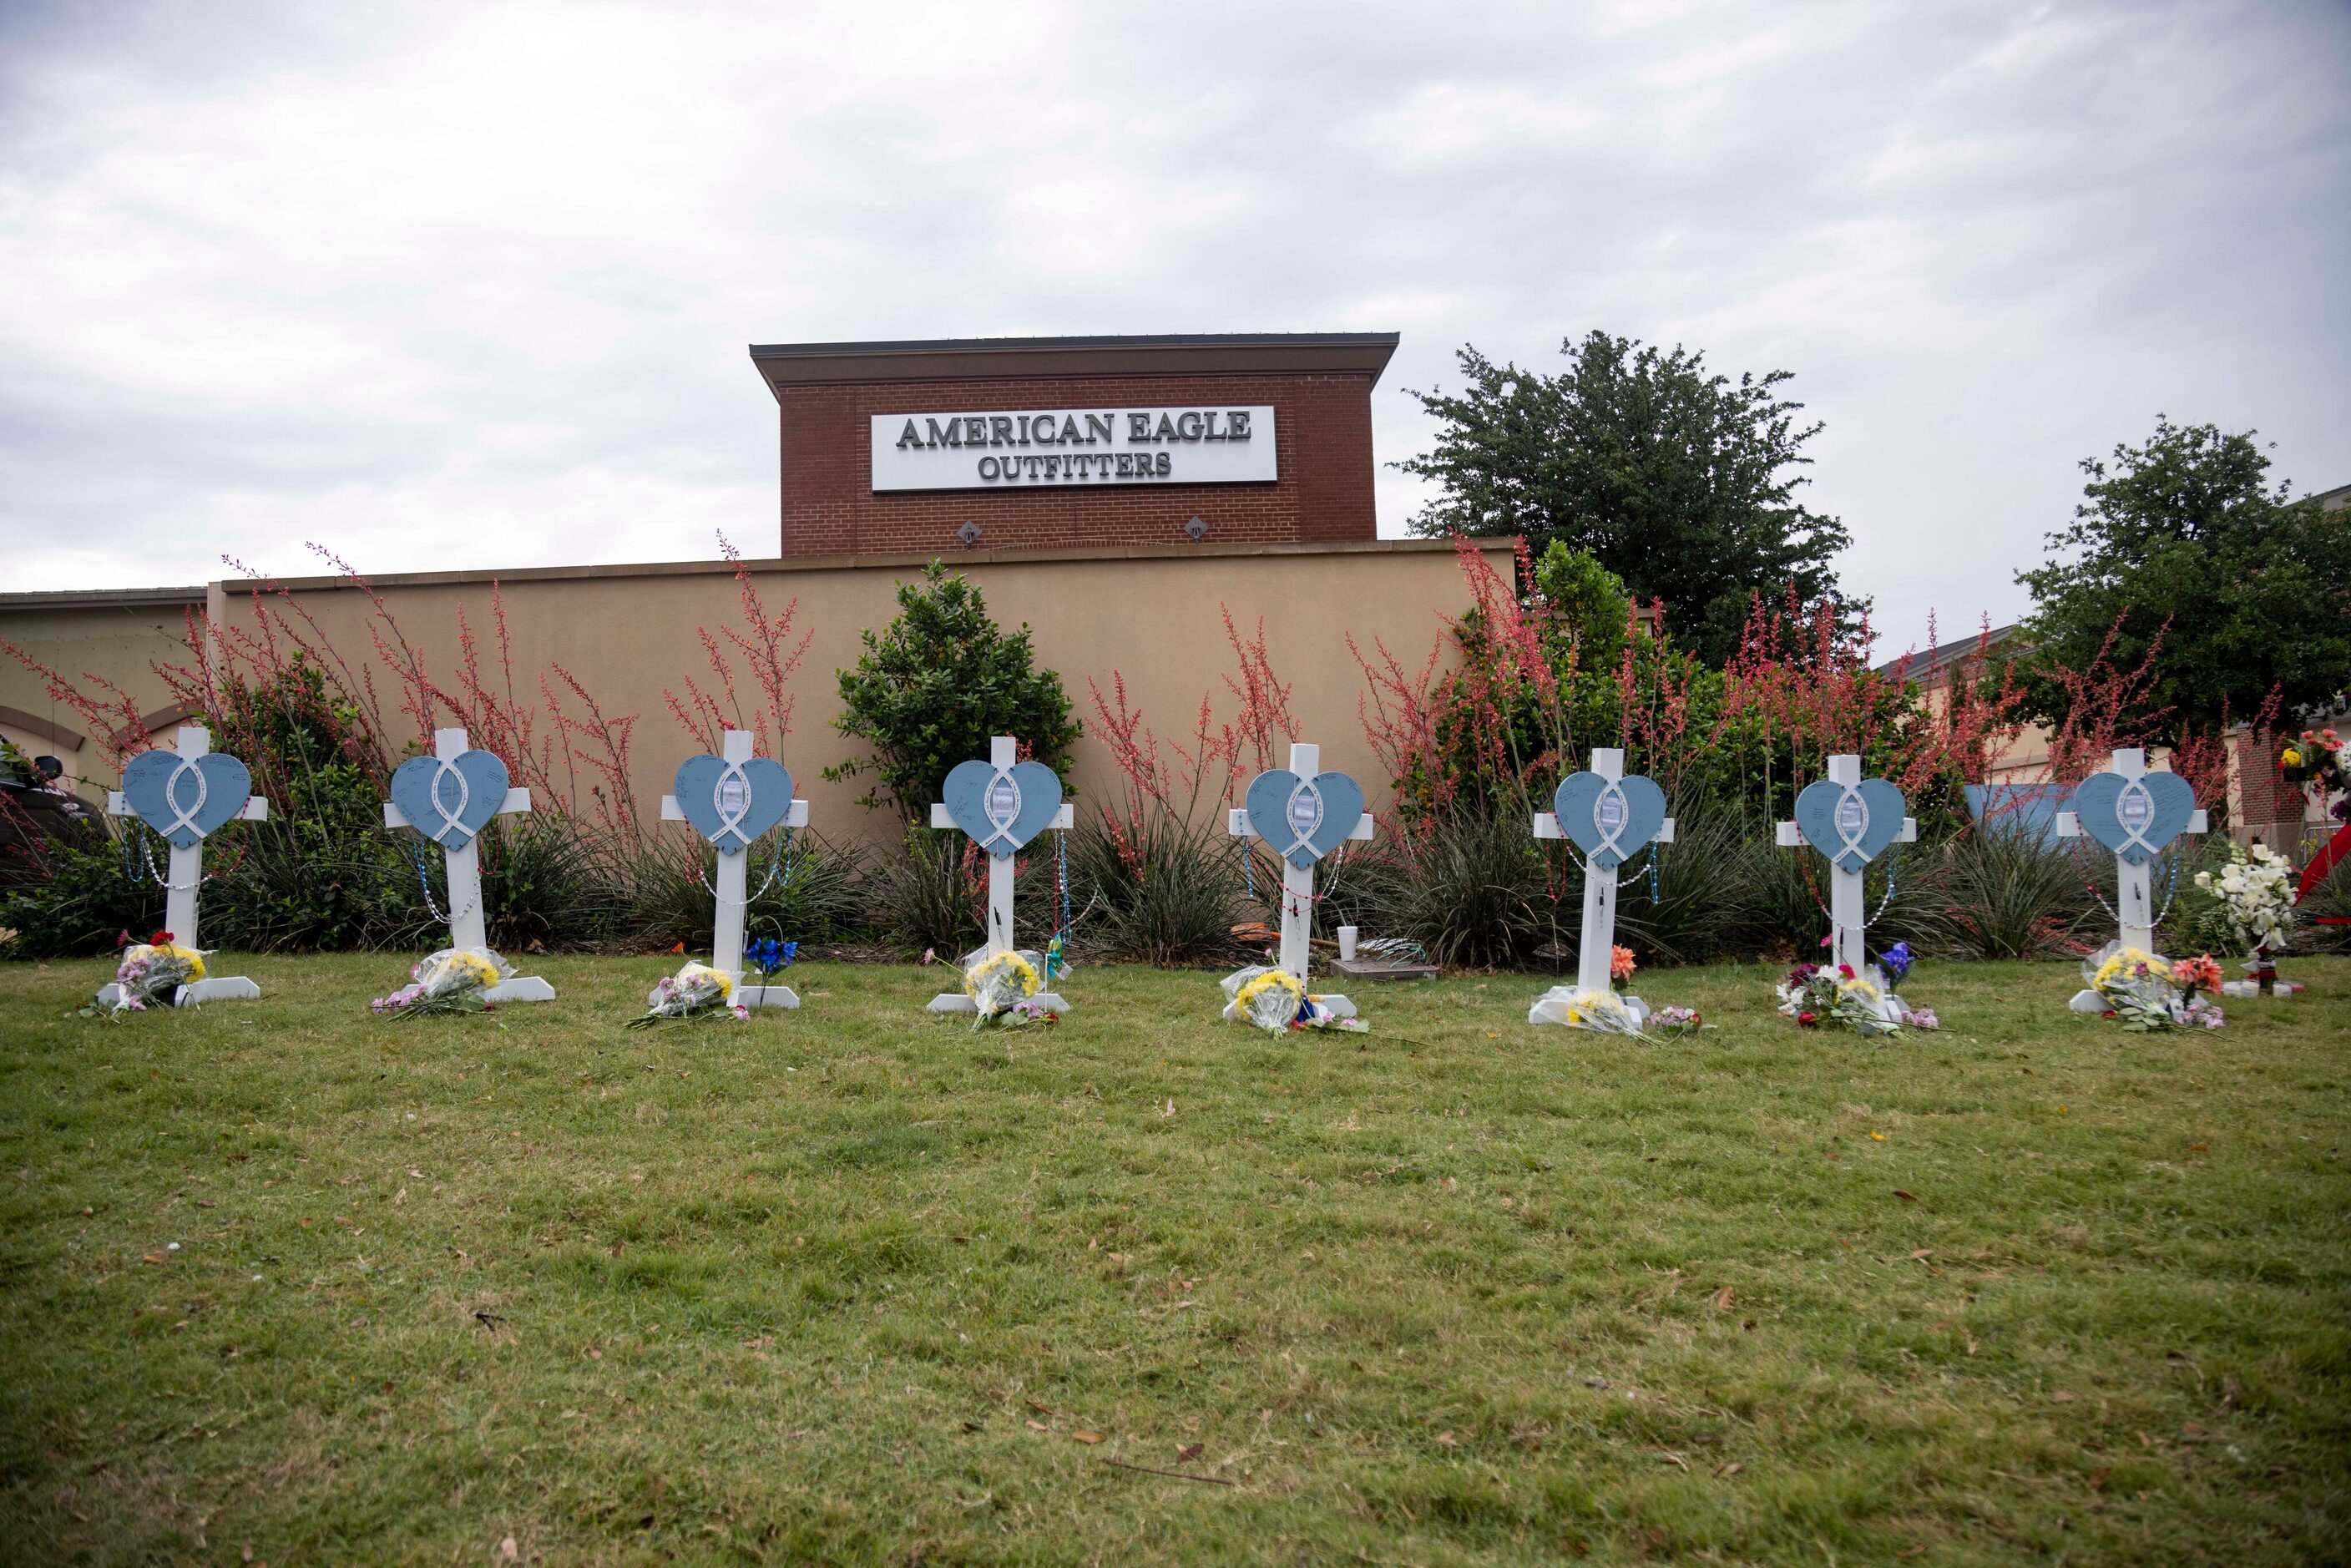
[769,956]
[791,951]
[1897,961]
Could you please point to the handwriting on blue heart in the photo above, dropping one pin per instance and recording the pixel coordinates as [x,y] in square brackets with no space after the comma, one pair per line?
[1303,820]
[1001,812]
[1849,826]
[732,804]
[2135,818]
[1609,822]
[450,801]
[185,798]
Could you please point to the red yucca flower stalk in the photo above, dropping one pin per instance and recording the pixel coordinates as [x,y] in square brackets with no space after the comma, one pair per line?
[772,658]
[1219,755]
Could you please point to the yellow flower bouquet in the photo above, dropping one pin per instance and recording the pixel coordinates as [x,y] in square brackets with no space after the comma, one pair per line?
[453,981]
[999,987]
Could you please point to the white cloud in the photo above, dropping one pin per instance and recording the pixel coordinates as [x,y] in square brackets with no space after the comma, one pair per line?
[476,280]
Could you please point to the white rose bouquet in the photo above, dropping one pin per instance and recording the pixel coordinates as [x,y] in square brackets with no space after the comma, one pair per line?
[2256,893]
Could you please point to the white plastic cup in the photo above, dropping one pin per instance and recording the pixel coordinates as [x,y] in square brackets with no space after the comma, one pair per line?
[1347,943]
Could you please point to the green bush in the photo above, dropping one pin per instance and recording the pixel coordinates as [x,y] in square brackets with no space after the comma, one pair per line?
[934,686]
[72,900]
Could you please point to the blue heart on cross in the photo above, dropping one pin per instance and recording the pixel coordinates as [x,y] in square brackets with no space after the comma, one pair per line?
[1609,819]
[1303,820]
[1001,810]
[1851,824]
[450,801]
[732,803]
[185,798]
[2135,817]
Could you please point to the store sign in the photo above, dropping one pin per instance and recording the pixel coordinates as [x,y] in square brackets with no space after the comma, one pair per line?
[1059,448]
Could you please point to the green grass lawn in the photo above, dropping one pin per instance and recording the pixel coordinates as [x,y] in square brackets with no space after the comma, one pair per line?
[857,1283]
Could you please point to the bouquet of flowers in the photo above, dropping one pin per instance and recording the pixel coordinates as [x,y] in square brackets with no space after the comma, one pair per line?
[450,981]
[696,991]
[770,956]
[151,971]
[2136,984]
[1677,1020]
[1818,995]
[1621,964]
[1603,1012]
[1000,986]
[2321,757]
[2256,893]
[1276,1000]
[2201,972]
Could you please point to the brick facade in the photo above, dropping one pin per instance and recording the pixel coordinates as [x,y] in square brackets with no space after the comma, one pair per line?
[1323,433]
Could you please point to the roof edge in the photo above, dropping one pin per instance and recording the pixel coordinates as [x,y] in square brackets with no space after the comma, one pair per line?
[780,565]
[783,365]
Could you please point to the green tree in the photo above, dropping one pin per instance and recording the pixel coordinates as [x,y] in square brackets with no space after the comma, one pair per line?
[2183,539]
[1680,482]
[935,684]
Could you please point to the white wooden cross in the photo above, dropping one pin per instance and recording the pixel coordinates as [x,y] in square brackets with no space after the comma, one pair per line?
[1599,938]
[2133,884]
[185,876]
[1846,920]
[1298,884]
[734,872]
[1003,751]
[467,929]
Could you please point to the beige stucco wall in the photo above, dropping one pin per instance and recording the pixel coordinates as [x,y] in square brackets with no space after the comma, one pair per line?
[118,637]
[1151,613]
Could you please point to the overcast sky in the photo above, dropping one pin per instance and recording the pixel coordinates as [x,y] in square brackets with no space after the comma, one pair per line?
[469,286]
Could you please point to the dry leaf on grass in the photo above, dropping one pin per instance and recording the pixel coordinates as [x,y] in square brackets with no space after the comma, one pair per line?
[1085,1436]
[1191,1451]
[1722,1299]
